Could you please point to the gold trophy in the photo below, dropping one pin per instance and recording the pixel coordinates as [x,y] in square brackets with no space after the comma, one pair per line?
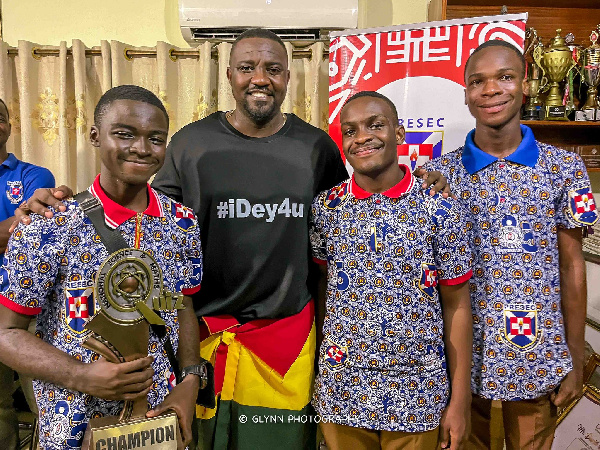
[557,61]
[589,58]
[536,79]
[130,289]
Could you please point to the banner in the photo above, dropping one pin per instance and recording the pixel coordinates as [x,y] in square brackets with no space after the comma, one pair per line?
[420,67]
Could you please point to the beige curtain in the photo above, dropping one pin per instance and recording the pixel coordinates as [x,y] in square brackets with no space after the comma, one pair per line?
[51,93]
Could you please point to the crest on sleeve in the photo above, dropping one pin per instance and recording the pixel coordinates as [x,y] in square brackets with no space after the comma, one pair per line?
[582,206]
[14,191]
[184,217]
[429,279]
[521,327]
[336,196]
[80,307]
[335,355]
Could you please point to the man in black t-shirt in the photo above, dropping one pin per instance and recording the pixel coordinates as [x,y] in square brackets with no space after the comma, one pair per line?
[250,175]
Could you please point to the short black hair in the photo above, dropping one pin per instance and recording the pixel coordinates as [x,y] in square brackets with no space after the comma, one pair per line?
[126,92]
[5,107]
[374,94]
[261,33]
[497,43]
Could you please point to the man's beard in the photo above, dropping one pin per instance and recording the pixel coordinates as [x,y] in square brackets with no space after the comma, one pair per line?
[260,115]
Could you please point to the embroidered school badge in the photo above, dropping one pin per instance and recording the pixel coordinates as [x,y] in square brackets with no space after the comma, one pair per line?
[184,217]
[14,191]
[335,355]
[79,308]
[429,280]
[582,206]
[520,327]
[336,196]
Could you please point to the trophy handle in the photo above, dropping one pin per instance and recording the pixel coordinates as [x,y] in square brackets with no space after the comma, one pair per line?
[538,53]
[543,83]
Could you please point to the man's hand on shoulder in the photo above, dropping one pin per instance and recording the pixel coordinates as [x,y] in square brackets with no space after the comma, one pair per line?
[435,180]
[181,400]
[39,202]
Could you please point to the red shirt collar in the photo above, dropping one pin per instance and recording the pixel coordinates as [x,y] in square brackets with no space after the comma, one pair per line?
[115,214]
[396,191]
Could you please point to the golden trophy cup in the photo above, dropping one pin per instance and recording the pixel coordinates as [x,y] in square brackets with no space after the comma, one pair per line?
[536,79]
[589,58]
[557,61]
[129,285]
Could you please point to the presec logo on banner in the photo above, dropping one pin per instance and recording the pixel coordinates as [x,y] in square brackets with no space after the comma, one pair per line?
[420,67]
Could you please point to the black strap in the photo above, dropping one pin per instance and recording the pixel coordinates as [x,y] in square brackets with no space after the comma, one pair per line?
[113,241]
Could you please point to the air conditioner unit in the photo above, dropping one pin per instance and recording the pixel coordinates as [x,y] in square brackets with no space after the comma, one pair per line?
[290,19]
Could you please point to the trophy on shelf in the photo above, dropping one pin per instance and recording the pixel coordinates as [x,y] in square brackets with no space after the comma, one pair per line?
[589,59]
[557,61]
[130,290]
[536,79]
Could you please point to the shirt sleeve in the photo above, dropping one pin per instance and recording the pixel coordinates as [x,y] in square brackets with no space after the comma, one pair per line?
[334,169]
[577,206]
[35,178]
[192,261]
[31,264]
[452,252]
[167,179]
[316,232]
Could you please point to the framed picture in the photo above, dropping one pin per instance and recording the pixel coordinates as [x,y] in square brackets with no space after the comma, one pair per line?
[579,423]
[593,275]
[591,371]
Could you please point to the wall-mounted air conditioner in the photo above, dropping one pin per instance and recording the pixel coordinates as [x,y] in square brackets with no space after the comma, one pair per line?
[290,19]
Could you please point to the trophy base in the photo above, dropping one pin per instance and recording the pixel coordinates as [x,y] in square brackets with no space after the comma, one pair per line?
[533,114]
[586,115]
[157,433]
[556,113]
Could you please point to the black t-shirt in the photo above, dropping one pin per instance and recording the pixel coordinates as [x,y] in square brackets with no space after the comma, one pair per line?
[252,197]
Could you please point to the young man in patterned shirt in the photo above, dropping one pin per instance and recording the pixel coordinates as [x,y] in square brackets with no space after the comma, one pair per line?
[49,271]
[529,203]
[388,345]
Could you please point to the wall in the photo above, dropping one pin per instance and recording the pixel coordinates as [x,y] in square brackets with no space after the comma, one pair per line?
[144,22]
[136,22]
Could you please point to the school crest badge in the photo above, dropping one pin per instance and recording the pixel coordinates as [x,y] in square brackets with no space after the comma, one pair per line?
[335,355]
[79,308]
[184,217]
[14,191]
[429,279]
[336,196]
[582,206]
[521,327]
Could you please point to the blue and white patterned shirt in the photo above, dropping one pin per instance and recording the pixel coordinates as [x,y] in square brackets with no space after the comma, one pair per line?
[49,270]
[382,362]
[19,180]
[516,206]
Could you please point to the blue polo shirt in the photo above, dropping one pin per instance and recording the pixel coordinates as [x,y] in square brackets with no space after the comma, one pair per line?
[516,205]
[19,181]
[382,363]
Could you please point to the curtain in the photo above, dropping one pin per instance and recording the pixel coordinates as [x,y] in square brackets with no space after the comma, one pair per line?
[51,93]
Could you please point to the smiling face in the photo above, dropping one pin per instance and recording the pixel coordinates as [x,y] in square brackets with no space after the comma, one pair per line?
[370,137]
[495,87]
[258,73]
[132,139]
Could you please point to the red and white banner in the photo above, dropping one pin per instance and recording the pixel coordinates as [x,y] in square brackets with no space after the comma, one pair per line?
[420,67]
